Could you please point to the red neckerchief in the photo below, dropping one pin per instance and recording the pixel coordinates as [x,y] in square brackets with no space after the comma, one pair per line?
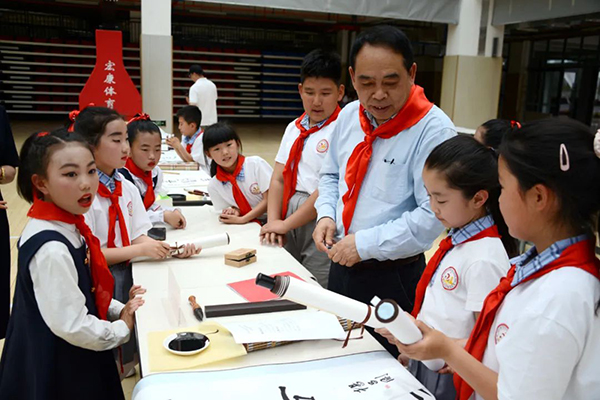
[415,108]
[188,147]
[114,211]
[433,264]
[146,176]
[102,279]
[290,171]
[238,196]
[579,255]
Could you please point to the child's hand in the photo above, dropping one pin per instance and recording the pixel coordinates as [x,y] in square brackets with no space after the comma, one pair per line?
[279,227]
[155,249]
[271,238]
[188,250]
[173,142]
[128,312]
[136,290]
[175,219]
[231,211]
[3,205]
[404,360]
[446,370]
[232,219]
[433,345]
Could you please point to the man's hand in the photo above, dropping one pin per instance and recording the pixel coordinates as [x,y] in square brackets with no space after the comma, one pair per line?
[324,233]
[344,252]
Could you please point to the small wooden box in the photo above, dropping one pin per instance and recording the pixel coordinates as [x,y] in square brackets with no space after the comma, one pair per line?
[240,257]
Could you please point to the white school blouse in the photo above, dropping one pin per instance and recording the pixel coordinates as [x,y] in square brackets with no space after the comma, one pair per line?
[137,221]
[315,148]
[254,180]
[156,211]
[545,339]
[61,302]
[464,278]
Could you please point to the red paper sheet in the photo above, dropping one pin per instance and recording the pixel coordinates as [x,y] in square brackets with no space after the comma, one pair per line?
[249,290]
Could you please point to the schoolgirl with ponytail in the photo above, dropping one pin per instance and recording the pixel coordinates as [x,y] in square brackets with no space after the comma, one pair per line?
[64,320]
[143,171]
[461,178]
[538,335]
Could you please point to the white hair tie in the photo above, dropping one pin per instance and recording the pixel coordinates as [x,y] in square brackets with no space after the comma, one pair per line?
[597,144]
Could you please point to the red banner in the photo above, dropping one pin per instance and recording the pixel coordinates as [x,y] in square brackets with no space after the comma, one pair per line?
[109,85]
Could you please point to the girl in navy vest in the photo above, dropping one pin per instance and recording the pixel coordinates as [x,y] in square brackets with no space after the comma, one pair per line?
[117,215]
[60,332]
[461,178]
[142,170]
[538,335]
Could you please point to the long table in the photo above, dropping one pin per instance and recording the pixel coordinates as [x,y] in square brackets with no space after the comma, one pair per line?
[206,276]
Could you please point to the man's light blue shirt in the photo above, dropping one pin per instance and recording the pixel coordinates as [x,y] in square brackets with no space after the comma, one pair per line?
[392,218]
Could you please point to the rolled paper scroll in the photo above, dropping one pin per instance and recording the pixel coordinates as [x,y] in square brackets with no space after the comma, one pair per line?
[319,298]
[345,307]
[222,239]
[402,327]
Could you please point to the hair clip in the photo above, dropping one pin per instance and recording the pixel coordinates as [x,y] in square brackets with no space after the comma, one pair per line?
[140,117]
[515,123]
[563,155]
[597,144]
[73,114]
[42,134]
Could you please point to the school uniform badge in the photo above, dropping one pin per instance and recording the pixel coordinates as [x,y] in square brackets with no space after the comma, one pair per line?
[322,146]
[130,209]
[501,331]
[449,278]
[254,189]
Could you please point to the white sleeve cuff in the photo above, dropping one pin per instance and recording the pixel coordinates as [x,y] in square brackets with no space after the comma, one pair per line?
[114,310]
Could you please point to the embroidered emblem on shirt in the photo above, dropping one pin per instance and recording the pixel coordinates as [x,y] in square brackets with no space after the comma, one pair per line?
[449,278]
[254,189]
[130,209]
[501,331]
[322,146]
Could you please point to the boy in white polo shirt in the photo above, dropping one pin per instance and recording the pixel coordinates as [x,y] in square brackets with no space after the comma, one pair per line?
[293,189]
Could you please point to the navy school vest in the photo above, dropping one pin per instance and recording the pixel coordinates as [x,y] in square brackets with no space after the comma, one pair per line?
[38,365]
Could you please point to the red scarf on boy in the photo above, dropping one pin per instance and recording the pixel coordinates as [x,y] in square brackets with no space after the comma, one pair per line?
[445,246]
[290,171]
[415,108]
[188,147]
[102,279]
[114,212]
[146,176]
[238,196]
[579,255]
